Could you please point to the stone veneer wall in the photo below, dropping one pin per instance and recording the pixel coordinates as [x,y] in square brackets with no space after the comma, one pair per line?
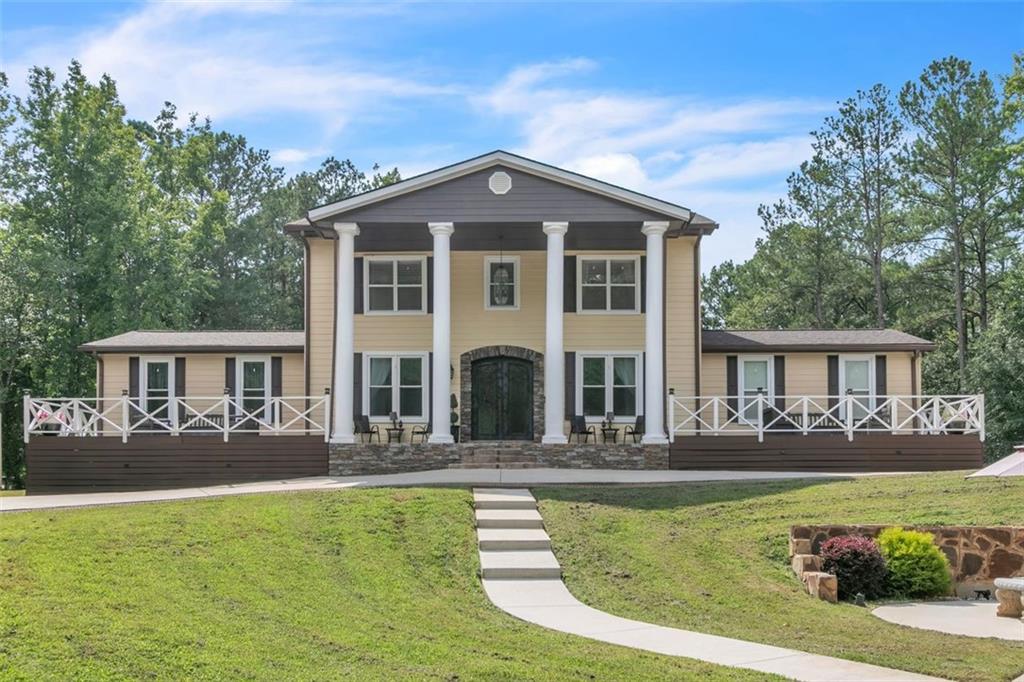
[373,458]
[977,556]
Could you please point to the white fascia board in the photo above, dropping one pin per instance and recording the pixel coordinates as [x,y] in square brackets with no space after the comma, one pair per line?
[516,162]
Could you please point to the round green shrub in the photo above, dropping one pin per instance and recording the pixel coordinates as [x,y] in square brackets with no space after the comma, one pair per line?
[917,568]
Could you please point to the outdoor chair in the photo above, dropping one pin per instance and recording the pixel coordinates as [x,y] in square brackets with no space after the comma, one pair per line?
[365,431]
[578,426]
[636,431]
[420,430]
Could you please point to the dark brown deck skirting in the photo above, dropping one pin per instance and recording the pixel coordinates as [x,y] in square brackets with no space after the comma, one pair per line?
[831,452]
[97,464]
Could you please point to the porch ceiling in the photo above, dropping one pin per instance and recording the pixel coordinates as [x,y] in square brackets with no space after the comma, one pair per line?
[492,236]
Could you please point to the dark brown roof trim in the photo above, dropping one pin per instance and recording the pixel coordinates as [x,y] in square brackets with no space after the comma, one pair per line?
[819,348]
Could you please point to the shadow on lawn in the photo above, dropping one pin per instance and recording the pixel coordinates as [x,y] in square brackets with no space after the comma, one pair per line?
[677,495]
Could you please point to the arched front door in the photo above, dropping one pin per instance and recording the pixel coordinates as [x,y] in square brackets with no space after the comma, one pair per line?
[502,399]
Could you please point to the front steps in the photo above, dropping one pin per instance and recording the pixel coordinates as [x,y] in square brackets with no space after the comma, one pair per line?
[494,456]
[512,541]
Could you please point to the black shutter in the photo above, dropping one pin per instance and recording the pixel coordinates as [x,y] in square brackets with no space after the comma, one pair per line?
[643,284]
[357,385]
[430,394]
[179,386]
[570,385]
[133,386]
[569,284]
[229,382]
[833,381]
[430,284]
[133,377]
[275,385]
[357,286]
[881,378]
[780,383]
[732,384]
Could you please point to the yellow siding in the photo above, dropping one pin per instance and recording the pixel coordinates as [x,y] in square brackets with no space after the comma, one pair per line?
[680,329]
[321,313]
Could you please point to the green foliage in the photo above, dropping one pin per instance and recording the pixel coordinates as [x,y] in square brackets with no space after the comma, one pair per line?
[917,568]
[108,225]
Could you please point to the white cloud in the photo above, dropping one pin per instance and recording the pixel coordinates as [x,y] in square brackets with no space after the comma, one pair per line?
[227,60]
[291,156]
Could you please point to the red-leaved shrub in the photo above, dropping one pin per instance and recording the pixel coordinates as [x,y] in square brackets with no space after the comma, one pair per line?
[857,564]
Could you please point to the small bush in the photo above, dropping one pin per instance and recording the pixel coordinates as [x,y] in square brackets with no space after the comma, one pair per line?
[857,564]
[917,568]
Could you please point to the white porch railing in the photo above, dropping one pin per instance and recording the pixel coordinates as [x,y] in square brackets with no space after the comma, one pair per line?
[222,415]
[847,414]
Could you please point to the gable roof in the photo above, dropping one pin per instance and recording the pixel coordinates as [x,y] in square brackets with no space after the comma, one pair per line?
[809,340]
[199,342]
[516,162]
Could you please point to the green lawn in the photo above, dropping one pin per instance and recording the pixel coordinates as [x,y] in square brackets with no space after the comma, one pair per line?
[355,584]
[713,557]
[11,493]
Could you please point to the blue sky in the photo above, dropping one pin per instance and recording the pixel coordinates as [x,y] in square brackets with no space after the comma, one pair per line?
[708,105]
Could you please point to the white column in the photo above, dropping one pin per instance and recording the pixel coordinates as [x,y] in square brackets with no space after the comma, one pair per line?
[554,355]
[344,375]
[440,382]
[654,335]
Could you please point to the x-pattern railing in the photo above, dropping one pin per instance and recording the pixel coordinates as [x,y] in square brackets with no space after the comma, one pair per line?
[849,414]
[225,415]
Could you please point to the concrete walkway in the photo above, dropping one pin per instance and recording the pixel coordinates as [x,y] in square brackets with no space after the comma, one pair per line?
[967,618]
[453,477]
[523,578]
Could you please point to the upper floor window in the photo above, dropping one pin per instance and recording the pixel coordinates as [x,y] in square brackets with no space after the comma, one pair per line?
[396,284]
[501,283]
[609,285]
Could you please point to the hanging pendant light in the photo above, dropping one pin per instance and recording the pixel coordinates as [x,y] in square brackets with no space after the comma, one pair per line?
[500,278]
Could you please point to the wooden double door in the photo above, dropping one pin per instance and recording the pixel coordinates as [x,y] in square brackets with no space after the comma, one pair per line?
[502,405]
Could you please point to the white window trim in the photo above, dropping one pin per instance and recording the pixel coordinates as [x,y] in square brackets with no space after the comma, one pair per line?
[769,392]
[144,360]
[394,356]
[872,379]
[394,285]
[607,311]
[609,383]
[239,396]
[516,281]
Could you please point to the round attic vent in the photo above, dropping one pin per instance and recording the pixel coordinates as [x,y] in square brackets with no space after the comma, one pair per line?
[500,182]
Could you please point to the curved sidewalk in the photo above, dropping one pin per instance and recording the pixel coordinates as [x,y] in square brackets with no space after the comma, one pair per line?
[544,600]
[453,477]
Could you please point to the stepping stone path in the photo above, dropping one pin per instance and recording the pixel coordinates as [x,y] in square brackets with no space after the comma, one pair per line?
[522,577]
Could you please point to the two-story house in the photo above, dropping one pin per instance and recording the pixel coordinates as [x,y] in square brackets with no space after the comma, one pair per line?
[501,310]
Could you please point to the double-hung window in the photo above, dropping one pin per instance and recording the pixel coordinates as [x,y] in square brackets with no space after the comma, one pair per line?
[608,285]
[856,379]
[396,285]
[608,382]
[501,283]
[395,383]
[756,376]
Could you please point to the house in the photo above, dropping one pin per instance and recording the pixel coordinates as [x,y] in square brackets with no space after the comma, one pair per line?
[496,308]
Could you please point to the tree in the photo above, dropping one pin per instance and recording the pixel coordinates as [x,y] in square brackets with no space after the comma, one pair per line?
[857,154]
[957,173]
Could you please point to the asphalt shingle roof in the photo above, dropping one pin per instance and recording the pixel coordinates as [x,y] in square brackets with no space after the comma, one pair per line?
[811,340]
[169,341]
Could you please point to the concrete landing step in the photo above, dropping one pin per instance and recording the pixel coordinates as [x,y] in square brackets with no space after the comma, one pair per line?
[521,539]
[496,498]
[493,465]
[534,565]
[508,518]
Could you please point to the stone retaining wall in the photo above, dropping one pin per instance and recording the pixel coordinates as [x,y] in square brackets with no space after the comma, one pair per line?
[372,458]
[977,556]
